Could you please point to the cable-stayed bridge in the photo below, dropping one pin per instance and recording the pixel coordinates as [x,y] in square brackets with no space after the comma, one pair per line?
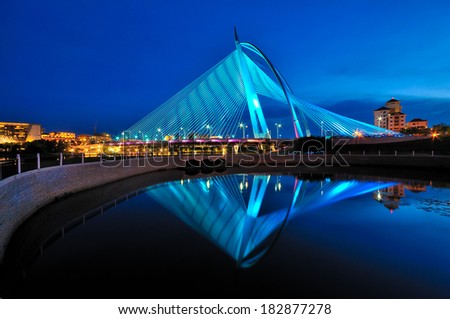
[215,103]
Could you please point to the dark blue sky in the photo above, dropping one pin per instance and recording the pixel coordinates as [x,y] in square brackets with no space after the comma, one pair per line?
[71,64]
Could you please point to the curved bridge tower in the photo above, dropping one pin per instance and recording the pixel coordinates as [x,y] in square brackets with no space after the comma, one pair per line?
[259,125]
[252,98]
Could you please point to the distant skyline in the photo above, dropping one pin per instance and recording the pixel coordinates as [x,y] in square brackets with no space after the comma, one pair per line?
[73,65]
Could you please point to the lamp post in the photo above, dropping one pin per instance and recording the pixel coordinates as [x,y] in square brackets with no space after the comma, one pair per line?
[208,127]
[159,132]
[321,128]
[123,143]
[146,145]
[278,126]
[358,135]
[243,126]
[379,123]
[182,133]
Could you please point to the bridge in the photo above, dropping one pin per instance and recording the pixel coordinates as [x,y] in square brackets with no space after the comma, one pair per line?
[217,102]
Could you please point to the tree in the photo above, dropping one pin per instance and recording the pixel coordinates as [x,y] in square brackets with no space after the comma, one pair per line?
[441,129]
[43,147]
[416,131]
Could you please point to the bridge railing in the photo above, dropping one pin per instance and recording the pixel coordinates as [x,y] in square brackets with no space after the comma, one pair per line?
[11,165]
[20,163]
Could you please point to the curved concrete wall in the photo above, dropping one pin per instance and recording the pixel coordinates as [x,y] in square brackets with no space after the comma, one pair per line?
[22,195]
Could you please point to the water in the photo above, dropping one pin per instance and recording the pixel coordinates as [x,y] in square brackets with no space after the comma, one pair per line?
[241,236]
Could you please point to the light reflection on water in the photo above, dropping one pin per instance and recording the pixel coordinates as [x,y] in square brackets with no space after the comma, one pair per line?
[307,235]
[244,214]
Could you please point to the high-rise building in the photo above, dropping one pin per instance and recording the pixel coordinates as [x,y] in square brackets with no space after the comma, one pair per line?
[390,116]
[381,117]
[12,132]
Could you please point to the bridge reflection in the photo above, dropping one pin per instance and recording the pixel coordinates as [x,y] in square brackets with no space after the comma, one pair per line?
[243,215]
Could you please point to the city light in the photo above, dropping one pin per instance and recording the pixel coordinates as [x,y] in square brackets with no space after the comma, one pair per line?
[278,126]
[182,133]
[243,126]
[208,127]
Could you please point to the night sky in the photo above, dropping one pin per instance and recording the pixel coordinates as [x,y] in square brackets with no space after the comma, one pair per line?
[73,65]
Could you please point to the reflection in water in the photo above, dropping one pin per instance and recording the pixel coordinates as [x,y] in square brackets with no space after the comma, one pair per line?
[393,197]
[390,197]
[238,214]
[340,247]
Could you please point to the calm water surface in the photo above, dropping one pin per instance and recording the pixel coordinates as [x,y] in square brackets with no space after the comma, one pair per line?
[244,236]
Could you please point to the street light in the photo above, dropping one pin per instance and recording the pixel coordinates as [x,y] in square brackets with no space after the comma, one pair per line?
[243,126]
[146,144]
[208,127]
[123,144]
[321,128]
[159,131]
[181,133]
[278,126]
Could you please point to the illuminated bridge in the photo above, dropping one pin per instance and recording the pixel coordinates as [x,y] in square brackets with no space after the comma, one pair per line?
[215,104]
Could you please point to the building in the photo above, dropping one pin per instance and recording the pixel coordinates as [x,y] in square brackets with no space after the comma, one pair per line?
[13,132]
[102,137]
[418,123]
[396,121]
[89,150]
[85,139]
[381,117]
[67,137]
[390,116]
